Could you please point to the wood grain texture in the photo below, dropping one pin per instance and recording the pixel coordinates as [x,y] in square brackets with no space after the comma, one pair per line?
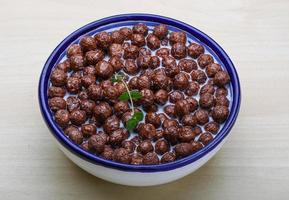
[253,164]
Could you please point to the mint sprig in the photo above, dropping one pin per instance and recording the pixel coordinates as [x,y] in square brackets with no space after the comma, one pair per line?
[129,95]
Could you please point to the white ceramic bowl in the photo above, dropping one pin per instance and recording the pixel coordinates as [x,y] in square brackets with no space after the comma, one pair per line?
[141,175]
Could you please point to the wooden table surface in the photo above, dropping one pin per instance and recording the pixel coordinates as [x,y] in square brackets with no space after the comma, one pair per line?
[253,164]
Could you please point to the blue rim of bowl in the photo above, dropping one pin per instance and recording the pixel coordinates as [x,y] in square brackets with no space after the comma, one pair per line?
[75,149]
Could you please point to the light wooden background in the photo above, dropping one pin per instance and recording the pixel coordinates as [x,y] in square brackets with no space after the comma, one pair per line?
[253,164]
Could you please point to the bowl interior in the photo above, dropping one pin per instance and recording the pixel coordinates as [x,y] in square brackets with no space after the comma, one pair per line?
[116,22]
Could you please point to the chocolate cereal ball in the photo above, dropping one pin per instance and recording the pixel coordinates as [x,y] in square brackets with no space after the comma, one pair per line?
[136,159]
[206,138]
[171,68]
[161,31]
[77,117]
[131,52]
[212,127]
[104,69]
[57,103]
[221,92]
[117,136]
[87,43]
[103,40]
[147,131]
[73,50]
[175,96]
[126,32]
[147,97]
[76,62]
[117,37]
[189,120]
[195,50]
[121,155]
[150,158]
[111,93]
[179,51]
[153,118]
[140,29]
[196,146]
[73,103]
[138,40]
[202,116]
[206,100]
[143,51]
[178,37]
[115,50]
[181,81]
[155,62]
[187,65]
[197,130]
[87,80]
[87,105]
[159,135]
[171,134]
[162,146]
[163,52]
[153,42]
[212,69]
[62,118]
[220,113]
[56,92]
[161,96]
[130,67]
[170,110]
[58,78]
[111,124]
[183,149]
[89,70]
[169,122]
[64,66]
[186,134]
[199,76]
[222,101]
[193,103]
[128,145]
[144,62]
[93,57]
[145,147]
[193,88]
[120,108]
[107,152]
[204,60]
[102,111]
[117,63]
[76,136]
[82,95]
[221,78]
[96,143]
[88,130]
[95,92]
[207,88]
[182,107]
[73,85]
[168,157]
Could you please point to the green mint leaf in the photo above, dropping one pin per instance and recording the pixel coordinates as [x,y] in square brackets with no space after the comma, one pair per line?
[124,96]
[138,116]
[131,124]
[135,95]
[134,120]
